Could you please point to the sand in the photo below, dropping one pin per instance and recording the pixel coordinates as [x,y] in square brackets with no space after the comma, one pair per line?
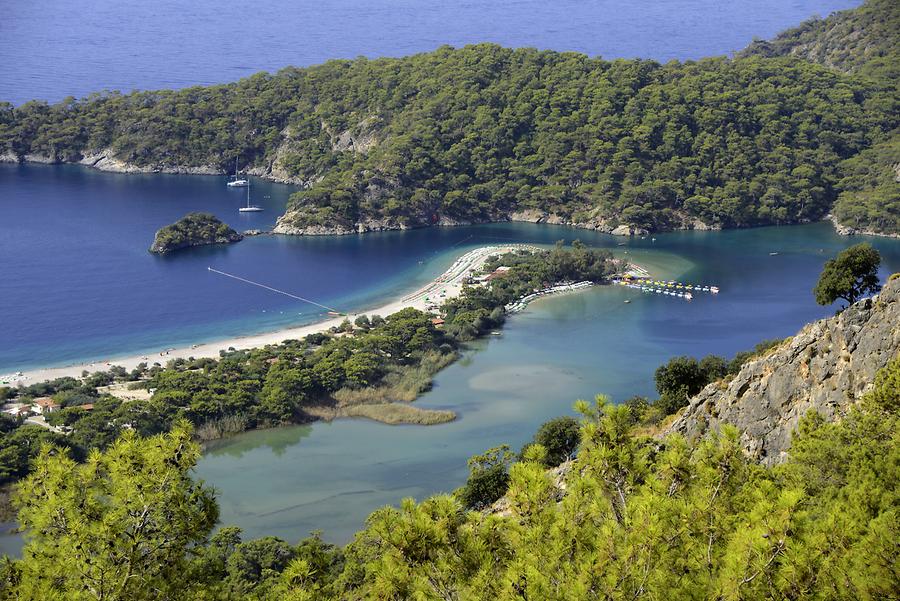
[447,285]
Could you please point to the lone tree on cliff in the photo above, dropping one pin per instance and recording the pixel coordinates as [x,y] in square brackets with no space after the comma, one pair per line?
[852,274]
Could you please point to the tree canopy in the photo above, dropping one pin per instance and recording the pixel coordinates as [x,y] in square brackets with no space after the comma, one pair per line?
[849,276]
[118,527]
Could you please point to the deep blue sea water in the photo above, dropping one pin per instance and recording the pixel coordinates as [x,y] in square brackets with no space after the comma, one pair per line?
[55,48]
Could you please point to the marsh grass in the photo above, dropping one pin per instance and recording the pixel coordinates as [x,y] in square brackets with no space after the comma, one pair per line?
[389,402]
[220,428]
[398,413]
[401,384]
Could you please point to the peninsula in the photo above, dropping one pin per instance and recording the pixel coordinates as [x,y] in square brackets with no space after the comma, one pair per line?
[194,229]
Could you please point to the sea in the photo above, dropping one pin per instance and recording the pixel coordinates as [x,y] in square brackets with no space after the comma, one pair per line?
[53,49]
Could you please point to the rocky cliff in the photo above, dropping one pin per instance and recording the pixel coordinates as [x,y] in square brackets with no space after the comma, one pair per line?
[826,368]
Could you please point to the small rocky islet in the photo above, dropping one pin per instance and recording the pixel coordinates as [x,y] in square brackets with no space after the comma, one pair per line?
[194,229]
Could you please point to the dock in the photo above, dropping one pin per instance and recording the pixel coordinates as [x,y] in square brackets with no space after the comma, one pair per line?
[522,303]
[673,288]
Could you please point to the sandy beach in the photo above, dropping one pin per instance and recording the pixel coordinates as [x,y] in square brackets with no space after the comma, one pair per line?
[447,285]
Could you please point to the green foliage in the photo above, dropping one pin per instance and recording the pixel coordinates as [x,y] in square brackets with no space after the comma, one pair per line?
[850,40]
[488,478]
[559,438]
[193,229]
[677,381]
[885,393]
[20,446]
[849,276]
[118,527]
[256,562]
[383,360]
[640,518]
[870,197]
[479,309]
[865,42]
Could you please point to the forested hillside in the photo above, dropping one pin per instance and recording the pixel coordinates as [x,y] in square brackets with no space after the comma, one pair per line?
[857,40]
[483,132]
[865,42]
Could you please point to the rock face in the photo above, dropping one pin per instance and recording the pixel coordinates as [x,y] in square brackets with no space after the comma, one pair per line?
[194,229]
[826,367]
[846,230]
[105,160]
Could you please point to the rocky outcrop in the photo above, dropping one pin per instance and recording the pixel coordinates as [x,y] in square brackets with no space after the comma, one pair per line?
[105,160]
[360,139]
[536,216]
[826,368]
[846,230]
[292,223]
[283,226]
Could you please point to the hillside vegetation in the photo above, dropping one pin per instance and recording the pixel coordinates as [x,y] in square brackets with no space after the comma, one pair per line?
[862,39]
[483,133]
[865,42]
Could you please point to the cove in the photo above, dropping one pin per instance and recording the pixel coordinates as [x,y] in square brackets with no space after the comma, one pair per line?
[330,476]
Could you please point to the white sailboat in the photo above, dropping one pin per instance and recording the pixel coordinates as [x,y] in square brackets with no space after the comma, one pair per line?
[249,208]
[237,183]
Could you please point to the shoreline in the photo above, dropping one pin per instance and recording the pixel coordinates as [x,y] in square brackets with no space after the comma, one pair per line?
[447,285]
[104,161]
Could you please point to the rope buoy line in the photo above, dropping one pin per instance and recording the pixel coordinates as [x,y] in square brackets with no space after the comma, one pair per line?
[246,281]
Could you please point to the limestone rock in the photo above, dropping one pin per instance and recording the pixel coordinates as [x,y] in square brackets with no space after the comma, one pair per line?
[827,367]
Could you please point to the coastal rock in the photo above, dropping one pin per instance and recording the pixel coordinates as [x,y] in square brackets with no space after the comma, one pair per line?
[41,158]
[628,230]
[8,157]
[194,229]
[286,225]
[536,216]
[527,215]
[105,160]
[826,367]
[701,226]
[846,230]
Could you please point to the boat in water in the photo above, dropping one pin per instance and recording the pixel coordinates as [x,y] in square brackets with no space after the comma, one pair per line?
[237,182]
[249,208]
